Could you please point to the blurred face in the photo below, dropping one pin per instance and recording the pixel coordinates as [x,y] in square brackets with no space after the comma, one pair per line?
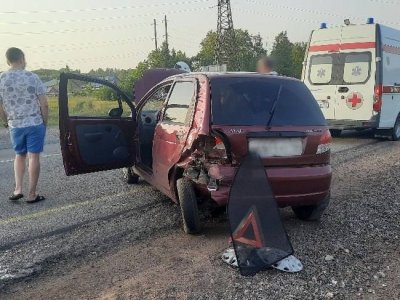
[263,68]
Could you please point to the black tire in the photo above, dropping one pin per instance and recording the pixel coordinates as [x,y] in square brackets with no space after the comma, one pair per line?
[336,132]
[396,130]
[129,176]
[189,206]
[312,212]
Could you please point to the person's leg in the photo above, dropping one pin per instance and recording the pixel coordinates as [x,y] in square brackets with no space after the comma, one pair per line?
[35,144]
[19,171]
[34,172]
[18,140]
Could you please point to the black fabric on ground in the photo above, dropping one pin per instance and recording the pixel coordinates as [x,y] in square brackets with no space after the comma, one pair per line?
[259,237]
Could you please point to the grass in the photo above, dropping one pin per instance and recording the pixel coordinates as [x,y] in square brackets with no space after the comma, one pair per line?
[83,106]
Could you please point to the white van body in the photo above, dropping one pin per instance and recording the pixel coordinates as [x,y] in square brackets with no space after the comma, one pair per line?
[354,73]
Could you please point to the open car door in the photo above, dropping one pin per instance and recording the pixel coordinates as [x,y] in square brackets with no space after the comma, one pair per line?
[97,125]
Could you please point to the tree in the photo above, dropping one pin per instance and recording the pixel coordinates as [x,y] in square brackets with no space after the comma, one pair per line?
[298,54]
[206,56]
[249,48]
[282,54]
[166,58]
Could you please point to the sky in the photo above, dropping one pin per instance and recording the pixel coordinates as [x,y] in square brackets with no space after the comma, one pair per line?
[91,34]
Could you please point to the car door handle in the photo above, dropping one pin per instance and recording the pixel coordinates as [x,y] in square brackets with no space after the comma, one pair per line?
[343,89]
[68,139]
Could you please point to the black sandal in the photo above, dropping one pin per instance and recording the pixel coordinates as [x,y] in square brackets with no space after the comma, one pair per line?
[16,197]
[37,199]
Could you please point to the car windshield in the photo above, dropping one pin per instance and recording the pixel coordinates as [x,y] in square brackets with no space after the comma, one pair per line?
[263,101]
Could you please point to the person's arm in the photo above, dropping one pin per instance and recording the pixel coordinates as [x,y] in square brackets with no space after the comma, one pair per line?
[43,100]
[44,108]
[3,115]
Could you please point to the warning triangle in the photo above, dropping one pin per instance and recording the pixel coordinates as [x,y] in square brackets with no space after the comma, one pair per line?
[248,232]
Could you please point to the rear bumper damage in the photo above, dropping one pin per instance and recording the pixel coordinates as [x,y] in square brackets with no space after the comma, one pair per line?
[291,186]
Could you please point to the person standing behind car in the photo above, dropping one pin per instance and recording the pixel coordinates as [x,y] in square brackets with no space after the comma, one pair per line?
[24,109]
[265,65]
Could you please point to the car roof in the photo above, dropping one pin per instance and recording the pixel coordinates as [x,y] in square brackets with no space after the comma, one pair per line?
[212,75]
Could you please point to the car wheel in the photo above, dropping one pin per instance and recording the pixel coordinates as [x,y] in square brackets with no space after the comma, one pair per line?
[129,176]
[336,132]
[396,130]
[312,212]
[189,206]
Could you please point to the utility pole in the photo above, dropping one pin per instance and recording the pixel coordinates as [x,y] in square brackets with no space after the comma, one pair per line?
[226,43]
[155,34]
[166,31]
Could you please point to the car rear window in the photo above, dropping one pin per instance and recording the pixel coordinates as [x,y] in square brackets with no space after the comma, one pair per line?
[340,68]
[263,101]
[321,67]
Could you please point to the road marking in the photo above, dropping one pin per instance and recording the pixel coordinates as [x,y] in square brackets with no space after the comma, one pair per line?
[56,210]
[43,156]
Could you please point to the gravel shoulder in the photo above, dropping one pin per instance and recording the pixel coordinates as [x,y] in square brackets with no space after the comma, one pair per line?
[352,254]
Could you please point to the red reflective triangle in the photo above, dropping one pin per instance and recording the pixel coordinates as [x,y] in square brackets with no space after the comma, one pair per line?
[249,220]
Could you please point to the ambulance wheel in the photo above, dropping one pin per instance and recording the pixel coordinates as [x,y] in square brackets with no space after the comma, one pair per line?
[396,130]
[336,132]
[312,212]
[129,176]
[189,206]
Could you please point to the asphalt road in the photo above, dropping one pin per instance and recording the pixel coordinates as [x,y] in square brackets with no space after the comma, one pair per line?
[97,222]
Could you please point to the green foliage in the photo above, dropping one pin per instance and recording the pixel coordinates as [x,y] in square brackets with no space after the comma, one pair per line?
[282,54]
[47,74]
[87,106]
[105,93]
[288,56]
[206,56]
[249,48]
[166,58]
[298,55]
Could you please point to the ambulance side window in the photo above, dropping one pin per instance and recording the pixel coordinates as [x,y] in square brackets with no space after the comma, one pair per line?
[357,67]
[321,67]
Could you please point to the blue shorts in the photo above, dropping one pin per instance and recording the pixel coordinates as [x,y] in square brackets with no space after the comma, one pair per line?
[28,139]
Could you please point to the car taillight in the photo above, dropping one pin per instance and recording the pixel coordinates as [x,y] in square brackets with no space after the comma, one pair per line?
[378,98]
[216,148]
[325,143]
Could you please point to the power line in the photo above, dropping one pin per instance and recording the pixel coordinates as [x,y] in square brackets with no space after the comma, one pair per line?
[98,28]
[75,47]
[305,10]
[91,44]
[386,2]
[94,9]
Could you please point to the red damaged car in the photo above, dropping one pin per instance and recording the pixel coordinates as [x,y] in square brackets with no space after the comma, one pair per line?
[188,134]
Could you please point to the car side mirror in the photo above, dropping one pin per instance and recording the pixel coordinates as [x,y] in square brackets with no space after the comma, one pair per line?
[116,112]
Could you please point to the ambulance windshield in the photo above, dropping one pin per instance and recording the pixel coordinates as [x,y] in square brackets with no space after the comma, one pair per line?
[340,68]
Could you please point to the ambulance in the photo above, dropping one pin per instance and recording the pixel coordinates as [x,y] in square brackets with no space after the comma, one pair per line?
[353,72]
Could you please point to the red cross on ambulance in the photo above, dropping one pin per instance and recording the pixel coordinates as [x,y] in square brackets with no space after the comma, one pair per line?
[354,100]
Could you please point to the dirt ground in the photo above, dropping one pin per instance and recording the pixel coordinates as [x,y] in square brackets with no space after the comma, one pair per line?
[353,253]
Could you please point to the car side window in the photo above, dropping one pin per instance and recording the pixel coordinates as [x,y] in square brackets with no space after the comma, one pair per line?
[157,99]
[179,102]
